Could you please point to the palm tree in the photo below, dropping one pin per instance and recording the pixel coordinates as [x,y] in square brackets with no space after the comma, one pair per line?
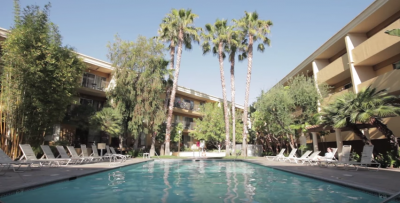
[108,120]
[337,115]
[217,35]
[253,30]
[233,40]
[184,33]
[370,106]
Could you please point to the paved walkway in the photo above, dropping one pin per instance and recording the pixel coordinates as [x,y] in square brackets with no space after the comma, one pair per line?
[11,181]
[383,181]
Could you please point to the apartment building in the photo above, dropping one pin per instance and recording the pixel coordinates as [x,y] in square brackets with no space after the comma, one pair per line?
[94,84]
[357,56]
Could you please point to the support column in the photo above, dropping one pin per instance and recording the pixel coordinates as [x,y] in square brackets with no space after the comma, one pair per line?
[359,74]
[315,141]
[339,142]
[317,66]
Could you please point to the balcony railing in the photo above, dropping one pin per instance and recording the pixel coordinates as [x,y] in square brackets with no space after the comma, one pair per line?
[94,83]
[186,125]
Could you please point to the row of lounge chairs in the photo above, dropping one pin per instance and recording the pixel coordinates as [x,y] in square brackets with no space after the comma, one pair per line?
[29,157]
[344,158]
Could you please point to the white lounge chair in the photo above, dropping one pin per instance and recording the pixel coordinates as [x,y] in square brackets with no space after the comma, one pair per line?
[63,154]
[291,155]
[48,154]
[29,155]
[95,154]
[277,157]
[75,155]
[327,161]
[367,158]
[85,154]
[115,153]
[312,159]
[6,162]
[304,156]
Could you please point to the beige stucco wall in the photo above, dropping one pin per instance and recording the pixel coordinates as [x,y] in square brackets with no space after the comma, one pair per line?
[377,48]
[390,80]
[333,69]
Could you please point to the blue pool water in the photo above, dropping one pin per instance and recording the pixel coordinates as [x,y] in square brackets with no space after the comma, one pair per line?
[189,181]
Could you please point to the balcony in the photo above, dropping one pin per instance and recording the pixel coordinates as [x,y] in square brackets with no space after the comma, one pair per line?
[335,69]
[377,48]
[389,80]
[187,105]
[186,125]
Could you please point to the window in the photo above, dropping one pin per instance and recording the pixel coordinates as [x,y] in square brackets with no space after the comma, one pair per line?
[347,86]
[84,101]
[396,65]
[94,82]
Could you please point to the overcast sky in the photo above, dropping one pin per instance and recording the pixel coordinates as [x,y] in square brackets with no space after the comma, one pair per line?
[300,27]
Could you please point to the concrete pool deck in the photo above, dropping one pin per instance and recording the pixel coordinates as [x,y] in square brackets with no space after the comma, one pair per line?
[16,182]
[384,181]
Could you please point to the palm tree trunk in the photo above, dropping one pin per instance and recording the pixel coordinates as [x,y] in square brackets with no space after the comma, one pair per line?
[173,93]
[172,54]
[221,70]
[153,141]
[360,134]
[233,103]
[246,101]
[388,134]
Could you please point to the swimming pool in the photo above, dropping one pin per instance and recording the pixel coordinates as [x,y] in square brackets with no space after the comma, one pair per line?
[192,181]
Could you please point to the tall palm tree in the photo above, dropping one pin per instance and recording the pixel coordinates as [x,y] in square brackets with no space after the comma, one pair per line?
[370,106]
[253,30]
[217,36]
[182,29]
[233,42]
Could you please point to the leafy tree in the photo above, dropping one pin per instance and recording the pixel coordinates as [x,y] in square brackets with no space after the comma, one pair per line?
[80,116]
[211,126]
[138,77]
[274,114]
[217,34]
[39,78]
[150,86]
[108,120]
[183,30]
[253,29]
[176,134]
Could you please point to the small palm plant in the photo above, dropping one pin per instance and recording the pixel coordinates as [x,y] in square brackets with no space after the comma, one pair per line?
[108,120]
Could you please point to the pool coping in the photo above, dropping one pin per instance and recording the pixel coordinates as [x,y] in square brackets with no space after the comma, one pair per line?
[32,186]
[380,193]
